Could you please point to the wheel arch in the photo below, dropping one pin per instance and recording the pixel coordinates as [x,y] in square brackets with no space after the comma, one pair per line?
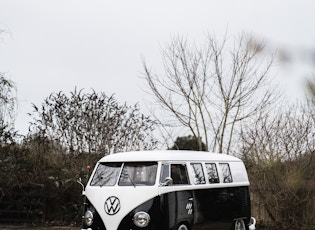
[183,222]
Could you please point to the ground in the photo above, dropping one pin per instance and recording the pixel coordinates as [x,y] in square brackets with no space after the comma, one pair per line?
[29,227]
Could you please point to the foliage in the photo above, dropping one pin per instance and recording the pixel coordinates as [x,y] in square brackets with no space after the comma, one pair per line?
[187,143]
[210,89]
[279,153]
[37,178]
[92,123]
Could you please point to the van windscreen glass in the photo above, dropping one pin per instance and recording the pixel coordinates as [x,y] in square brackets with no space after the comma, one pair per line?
[138,173]
[106,174]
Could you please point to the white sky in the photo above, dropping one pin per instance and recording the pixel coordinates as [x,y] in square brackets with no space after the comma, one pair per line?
[57,45]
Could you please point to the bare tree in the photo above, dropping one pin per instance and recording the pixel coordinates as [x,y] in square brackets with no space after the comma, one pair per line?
[210,89]
[7,109]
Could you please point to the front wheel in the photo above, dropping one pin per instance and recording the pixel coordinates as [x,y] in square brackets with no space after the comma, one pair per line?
[182,227]
[239,225]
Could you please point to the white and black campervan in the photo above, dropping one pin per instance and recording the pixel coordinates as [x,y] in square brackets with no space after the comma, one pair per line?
[167,190]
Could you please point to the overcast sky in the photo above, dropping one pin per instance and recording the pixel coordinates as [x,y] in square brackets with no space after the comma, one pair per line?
[57,45]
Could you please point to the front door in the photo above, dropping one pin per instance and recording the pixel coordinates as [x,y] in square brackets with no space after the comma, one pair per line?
[177,197]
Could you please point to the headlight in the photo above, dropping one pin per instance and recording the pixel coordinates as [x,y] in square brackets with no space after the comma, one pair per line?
[88,218]
[141,219]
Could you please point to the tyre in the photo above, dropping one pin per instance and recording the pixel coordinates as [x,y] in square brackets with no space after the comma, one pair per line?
[239,225]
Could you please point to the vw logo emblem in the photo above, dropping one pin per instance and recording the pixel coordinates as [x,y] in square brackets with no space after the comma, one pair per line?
[112,205]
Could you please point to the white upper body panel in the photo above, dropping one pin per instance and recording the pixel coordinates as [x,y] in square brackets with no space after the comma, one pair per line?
[168,155]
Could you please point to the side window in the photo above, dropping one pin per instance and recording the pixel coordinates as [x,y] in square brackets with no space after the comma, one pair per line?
[212,173]
[199,177]
[179,174]
[226,172]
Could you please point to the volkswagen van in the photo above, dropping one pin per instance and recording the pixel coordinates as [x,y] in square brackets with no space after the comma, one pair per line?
[167,190]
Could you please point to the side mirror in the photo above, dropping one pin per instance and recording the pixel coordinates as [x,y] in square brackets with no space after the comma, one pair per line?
[79,181]
[168,181]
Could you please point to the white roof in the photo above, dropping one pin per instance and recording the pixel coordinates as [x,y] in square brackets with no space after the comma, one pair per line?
[167,155]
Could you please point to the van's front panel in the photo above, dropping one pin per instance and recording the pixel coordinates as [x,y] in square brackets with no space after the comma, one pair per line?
[115,189]
[112,205]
